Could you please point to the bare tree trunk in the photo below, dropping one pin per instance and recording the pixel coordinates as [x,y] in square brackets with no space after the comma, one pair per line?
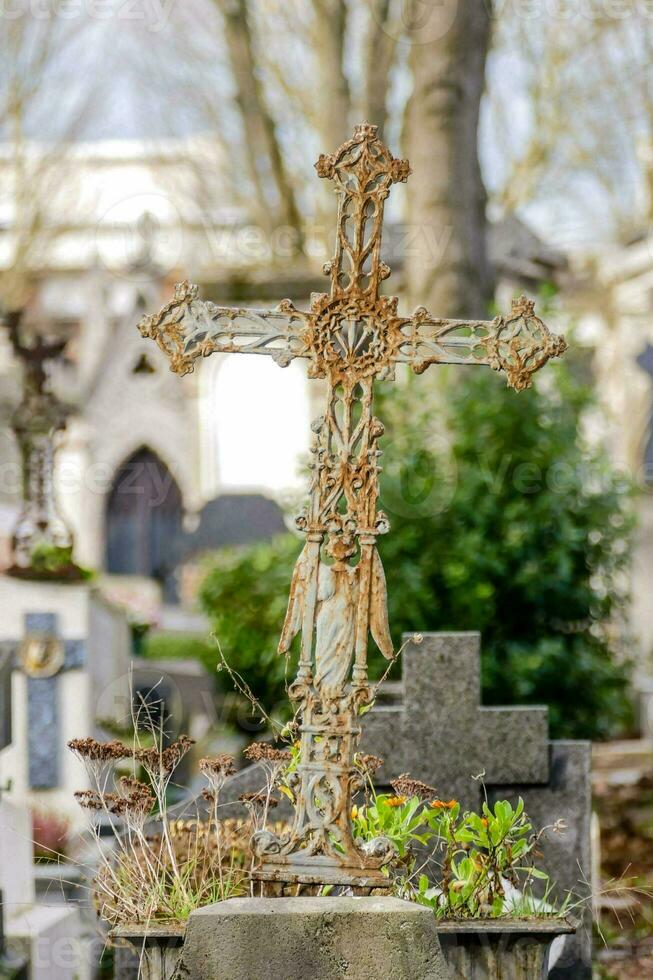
[335,97]
[264,153]
[381,43]
[447,266]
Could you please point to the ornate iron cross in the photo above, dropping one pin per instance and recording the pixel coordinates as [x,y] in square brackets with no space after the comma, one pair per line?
[351,337]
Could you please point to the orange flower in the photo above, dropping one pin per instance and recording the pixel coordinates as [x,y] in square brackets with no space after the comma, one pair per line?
[396,800]
[444,805]
[484,821]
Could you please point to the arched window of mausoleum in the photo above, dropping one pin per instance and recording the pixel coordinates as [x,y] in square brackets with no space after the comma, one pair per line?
[143,520]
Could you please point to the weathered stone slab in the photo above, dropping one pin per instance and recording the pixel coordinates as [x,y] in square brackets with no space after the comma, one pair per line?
[442,734]
[312,939]
[90,680]
[491,949]
[567,856]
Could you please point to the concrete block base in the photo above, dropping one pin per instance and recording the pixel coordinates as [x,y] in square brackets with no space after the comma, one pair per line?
[312,939]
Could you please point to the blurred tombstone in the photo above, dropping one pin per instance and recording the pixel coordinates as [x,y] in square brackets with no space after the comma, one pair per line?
[176,695]
[39,941]
[66,647]
[441,733]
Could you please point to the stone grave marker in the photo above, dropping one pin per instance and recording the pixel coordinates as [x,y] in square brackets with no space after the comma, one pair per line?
[442,734]
[70,660]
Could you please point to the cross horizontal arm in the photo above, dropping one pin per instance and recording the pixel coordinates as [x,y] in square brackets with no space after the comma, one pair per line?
[518,344]
[188,328]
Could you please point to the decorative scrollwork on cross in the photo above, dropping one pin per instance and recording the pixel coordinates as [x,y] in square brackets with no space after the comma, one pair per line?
[350,337]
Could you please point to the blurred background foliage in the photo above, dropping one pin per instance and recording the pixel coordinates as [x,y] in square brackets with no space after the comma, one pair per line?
[508,522]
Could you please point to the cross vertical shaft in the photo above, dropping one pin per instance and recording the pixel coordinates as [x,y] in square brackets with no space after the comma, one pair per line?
[351,336]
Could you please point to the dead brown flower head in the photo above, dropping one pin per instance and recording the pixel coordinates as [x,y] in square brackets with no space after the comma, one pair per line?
[89,799]
[368,763]
[216,769]
[164,761]
[405,785]
[90,750]
[264,752]
[221,765]
[138,797]
[258,800]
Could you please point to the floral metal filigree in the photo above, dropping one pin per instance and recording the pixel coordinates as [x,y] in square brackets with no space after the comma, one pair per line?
[351,337]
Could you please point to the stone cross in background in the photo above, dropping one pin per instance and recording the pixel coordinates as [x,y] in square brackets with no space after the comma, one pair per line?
[440,733]
[441,726]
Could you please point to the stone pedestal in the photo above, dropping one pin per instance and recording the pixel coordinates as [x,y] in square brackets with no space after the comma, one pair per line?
[517,949]
[313,939]
[147,952]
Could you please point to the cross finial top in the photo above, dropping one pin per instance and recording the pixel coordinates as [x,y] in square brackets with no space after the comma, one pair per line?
[522,306]
[364,170]
[366,159]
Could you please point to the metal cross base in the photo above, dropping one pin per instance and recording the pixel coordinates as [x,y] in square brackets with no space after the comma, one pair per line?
[320,848]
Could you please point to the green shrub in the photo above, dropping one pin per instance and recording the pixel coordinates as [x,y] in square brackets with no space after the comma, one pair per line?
[245,593]
[180,646]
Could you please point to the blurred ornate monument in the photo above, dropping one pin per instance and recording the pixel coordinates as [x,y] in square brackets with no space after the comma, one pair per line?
[40,533]
[351,337]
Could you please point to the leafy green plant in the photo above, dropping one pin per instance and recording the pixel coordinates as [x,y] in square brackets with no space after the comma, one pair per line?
[507,521]
[403,822]
[480,864]
[245,594]
[53,561]
[179,646]
[482,854]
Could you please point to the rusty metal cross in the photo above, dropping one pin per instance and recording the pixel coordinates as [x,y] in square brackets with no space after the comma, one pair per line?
[351,336]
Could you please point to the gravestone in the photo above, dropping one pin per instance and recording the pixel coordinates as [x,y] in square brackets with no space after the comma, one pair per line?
[44,942]
[70,661]
[442,734]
